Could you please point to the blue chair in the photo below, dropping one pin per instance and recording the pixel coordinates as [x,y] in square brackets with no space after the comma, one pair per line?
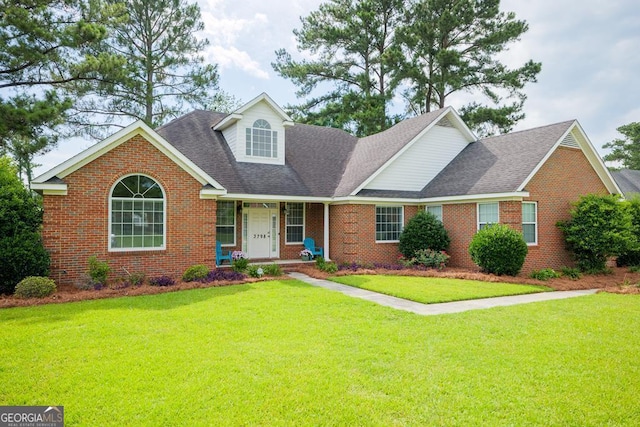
[310,244]
[220,255]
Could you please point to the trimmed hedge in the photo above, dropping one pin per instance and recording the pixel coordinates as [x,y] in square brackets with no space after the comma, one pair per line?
[498,249]
[35,287]
[423,231]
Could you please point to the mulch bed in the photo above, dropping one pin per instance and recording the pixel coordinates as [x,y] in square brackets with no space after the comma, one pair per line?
[620,280]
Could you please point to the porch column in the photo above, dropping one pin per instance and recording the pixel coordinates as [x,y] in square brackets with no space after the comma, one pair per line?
[326,232]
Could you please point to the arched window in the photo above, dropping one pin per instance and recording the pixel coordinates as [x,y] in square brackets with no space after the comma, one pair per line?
[137,219]
[261,140]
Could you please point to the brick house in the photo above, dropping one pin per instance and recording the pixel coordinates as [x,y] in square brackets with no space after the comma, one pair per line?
[156,201]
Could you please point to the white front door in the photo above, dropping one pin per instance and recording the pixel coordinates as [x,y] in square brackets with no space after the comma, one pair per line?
[262,233]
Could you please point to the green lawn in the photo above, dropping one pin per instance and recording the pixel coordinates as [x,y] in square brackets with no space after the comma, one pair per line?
[430,290]
[285,353]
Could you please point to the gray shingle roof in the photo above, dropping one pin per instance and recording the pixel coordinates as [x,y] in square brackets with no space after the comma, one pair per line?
[628,180]
[496,165]
[302,175]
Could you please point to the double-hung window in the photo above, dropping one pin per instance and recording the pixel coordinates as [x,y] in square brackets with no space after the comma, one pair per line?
[137,220]
[389,222]
[488,213]
[530,222]
[435,210]
[294,222]
[261,140]
[226,222]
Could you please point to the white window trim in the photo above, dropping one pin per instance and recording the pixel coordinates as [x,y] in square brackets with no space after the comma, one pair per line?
[534,243]
[426,209]
[274,144]
[164,217]
[375,222]
[478,223]
[304,223]
[235,224]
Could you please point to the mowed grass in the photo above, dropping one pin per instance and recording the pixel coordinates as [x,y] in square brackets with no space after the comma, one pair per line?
[285,353]
[430,290]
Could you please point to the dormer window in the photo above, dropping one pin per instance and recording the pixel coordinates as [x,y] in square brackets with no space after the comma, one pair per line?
[261,140]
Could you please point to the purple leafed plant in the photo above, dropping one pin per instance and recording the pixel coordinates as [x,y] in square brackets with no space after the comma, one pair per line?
[162,281]
[223,274]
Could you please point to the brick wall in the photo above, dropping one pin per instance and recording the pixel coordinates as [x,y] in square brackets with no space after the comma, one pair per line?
[76,225]
[352,235]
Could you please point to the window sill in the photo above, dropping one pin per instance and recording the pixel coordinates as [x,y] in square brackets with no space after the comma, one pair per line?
[387,241]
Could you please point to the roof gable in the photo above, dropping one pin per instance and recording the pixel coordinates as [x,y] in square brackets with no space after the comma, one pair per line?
[375,153]
[239,113]
[120,137]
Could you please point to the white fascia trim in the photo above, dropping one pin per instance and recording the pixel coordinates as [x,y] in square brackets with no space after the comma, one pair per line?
[462,127]
[276,198]
[50,189]
[211,193]
[227,121]
[517,195]
[106,145]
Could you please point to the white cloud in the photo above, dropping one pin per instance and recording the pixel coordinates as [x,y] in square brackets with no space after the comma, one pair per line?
[231,57]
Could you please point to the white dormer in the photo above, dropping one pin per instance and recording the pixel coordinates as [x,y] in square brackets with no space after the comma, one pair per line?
[255,132]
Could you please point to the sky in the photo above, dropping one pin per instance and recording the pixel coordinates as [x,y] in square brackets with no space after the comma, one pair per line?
[589,50]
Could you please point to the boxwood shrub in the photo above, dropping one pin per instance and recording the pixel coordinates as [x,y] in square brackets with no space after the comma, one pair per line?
[35,287]
[423,231]
[498,249]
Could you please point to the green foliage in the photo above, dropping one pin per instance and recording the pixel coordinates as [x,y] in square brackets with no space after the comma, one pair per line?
[166,73]
[35,287]
[571,273]
[195,272]
[327,267]
[600,227]
[273,270]
[498,249]
[354,51]
[423,231]
[367,53]
[627,149]
[544,274]
[255,271]
[45,45]
[239,264]
[22,253]
[98,271]
[632,255]
[426,258]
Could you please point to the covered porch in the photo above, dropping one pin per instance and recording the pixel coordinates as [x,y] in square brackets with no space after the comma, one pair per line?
[270,230]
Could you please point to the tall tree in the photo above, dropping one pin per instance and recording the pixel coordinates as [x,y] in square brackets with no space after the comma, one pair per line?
[165,72]
[626,150]
[351,43]
[452,46]
[45,44]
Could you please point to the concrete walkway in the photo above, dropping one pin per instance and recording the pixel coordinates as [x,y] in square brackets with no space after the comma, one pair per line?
[442,308]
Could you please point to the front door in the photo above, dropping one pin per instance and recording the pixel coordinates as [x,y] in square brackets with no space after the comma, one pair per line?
[262,233]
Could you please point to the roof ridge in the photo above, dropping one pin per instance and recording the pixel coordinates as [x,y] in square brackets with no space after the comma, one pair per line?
[489,138]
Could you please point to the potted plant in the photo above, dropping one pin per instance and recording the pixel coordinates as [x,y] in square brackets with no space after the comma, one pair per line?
[306,255]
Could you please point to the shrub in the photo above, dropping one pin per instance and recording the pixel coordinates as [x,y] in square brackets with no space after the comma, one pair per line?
[22,253]
[571,273]
[162,281]
[273,270]
[136,279]
[423,231]
[327,267]
[600,227]
[195,272]
[498,249]
[224,274]
[632,255]
[544,274]
[98,271]
[35,287]
[255,271]
[239,261]
[432,259]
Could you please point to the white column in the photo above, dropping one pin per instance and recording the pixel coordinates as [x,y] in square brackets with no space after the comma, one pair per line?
[326,232]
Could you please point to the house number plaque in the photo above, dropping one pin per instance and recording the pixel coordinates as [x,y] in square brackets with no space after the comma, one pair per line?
[260,236]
